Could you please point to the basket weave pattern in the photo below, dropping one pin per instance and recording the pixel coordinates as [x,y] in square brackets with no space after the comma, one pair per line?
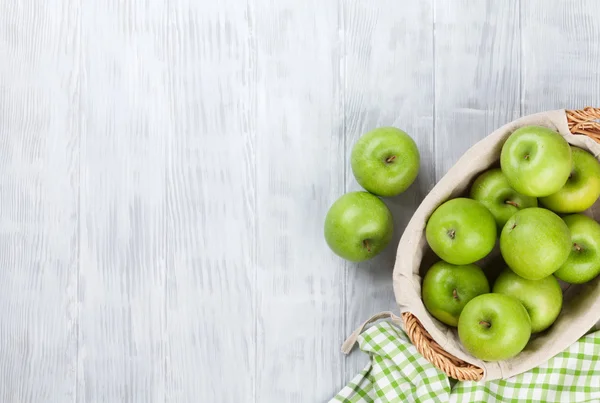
[581,122]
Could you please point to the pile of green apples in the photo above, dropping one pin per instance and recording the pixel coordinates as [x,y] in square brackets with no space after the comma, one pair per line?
[359,225]
[532,203]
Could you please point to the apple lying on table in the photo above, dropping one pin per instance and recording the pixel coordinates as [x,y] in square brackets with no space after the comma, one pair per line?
[461,231]
[358,226]
[542,298]
[492,189]
[447,288]
[583,263]
[535,242]
[582,188]
[494,327]
[536,161]
[385,161]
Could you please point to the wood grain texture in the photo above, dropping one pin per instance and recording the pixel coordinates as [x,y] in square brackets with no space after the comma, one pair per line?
[39,140]
[477,74]
[211,207]
[561,54]
[167,167]
[126,122]
[300,166]
[388,81]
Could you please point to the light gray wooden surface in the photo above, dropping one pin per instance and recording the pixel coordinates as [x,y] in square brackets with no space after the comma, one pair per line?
[166,168]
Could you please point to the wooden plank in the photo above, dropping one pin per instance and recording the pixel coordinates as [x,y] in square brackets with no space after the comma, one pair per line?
[122,266]
[39,159]
[388,71]
[561,55]
[211,223]
[300,169]
[477,74]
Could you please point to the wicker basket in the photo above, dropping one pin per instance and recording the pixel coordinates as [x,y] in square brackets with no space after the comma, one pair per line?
[580,122]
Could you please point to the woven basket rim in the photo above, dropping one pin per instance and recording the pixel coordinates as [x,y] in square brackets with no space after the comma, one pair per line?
[585,122]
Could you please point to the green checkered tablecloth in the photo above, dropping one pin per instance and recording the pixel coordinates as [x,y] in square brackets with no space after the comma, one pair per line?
[398,373]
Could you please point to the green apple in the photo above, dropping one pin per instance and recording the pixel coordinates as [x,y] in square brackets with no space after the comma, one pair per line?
[494,327]
[583,263]
[535,242]
[492,189]
[582,188]
[461,231]
[536,161]
[542,298]
[358,226]
[385,161]
[447,288]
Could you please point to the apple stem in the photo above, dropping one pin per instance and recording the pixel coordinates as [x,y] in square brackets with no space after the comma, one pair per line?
[451,233]
[455,294]
[390,159]
[484,323]
[577,247]
[367,245]
[512,203]
[526,156]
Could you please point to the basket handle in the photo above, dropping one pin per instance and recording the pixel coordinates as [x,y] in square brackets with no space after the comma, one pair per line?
[431,350]
[353,338]
[585,121]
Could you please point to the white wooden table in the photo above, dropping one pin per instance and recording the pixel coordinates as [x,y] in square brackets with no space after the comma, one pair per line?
[166,167]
